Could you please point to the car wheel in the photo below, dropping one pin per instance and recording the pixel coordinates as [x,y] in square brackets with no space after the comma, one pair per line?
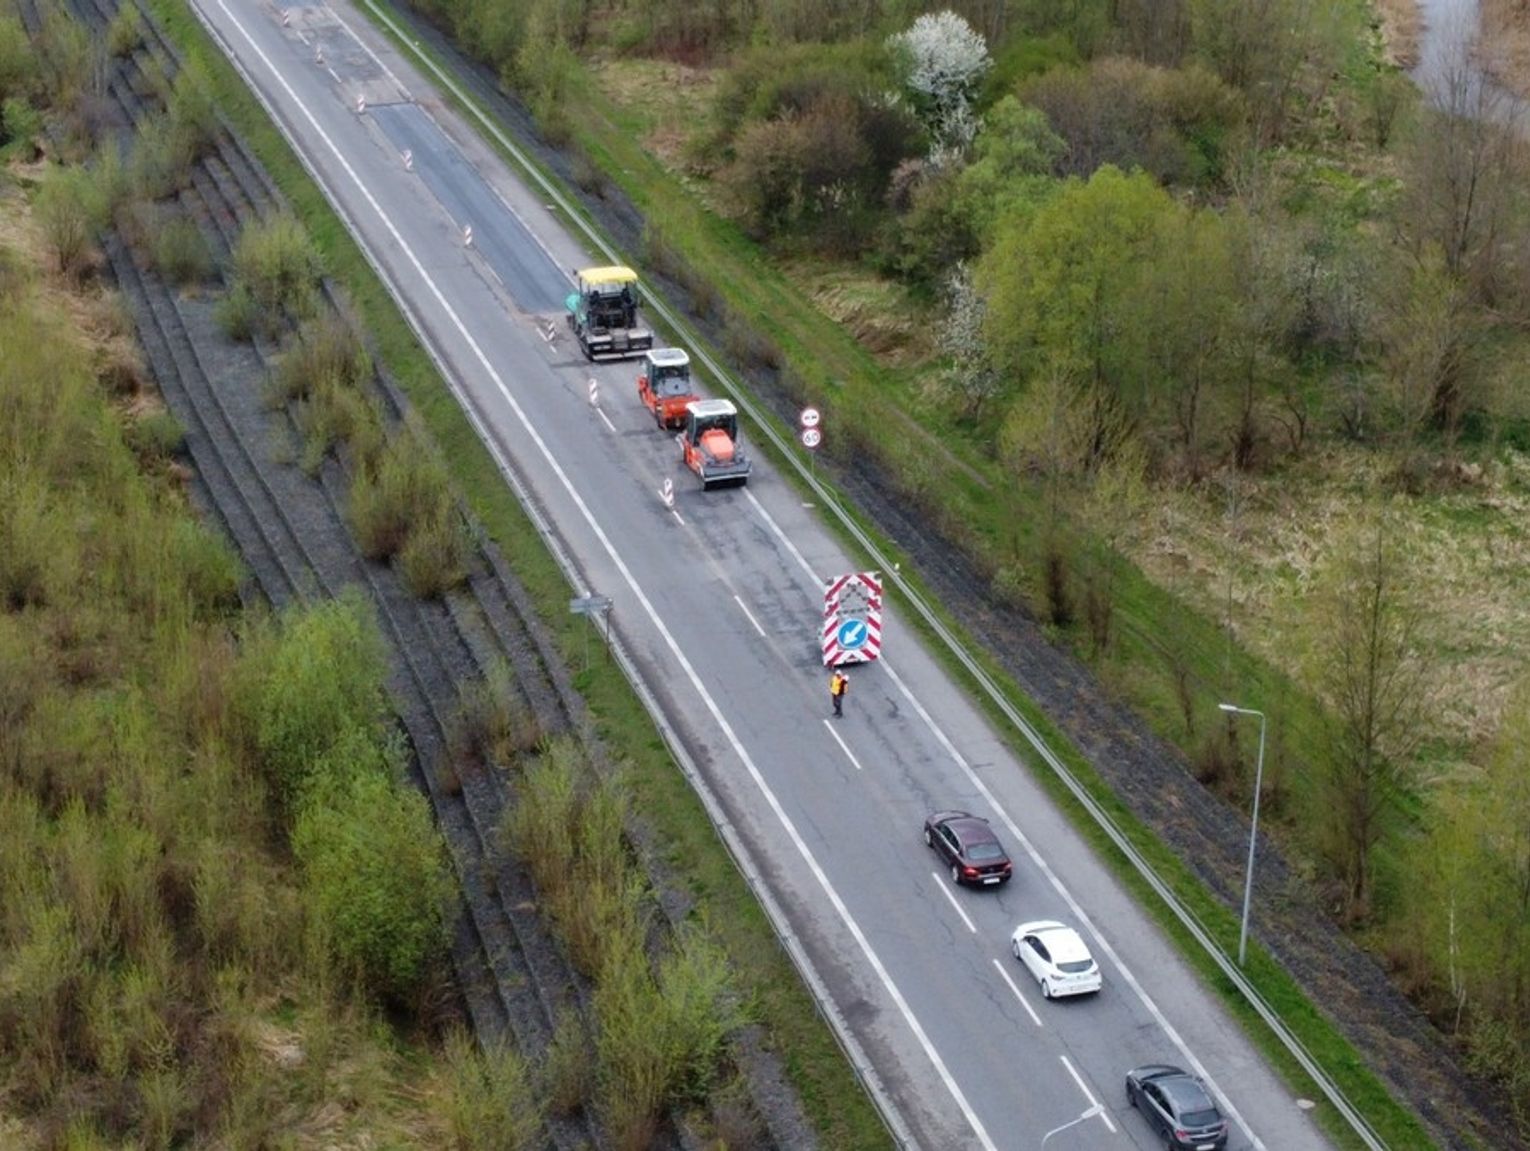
[1014,948]
[929,840]
[956,875]
[1131,1097]
[1046,989]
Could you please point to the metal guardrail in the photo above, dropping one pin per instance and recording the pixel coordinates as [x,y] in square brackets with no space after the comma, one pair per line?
[786,447]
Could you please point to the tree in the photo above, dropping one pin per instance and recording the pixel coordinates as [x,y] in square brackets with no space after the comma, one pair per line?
[971,374]
[1426,329]
[1058,281]
[1012,162]
[1371,671]
[1185,317]
[944,61]
[1464,178]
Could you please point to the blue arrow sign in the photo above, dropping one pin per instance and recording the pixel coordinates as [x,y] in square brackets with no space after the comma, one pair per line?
[852,634]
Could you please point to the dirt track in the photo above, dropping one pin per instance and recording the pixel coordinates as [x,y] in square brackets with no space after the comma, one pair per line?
[515,981]
[1418,1062]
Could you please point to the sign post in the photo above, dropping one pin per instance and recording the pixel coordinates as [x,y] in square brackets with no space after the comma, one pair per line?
[812,435]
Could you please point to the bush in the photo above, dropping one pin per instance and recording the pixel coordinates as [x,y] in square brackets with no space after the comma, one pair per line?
[160,166]
[20,75]
[238,313]
[124,35]
[327,348]
[405,496]
[493,727]
[275,263]
[490,1103]
[193,113]
[567,1074]
[1173,124]
[431,560]
[155,435]
[180,252]
[314,701]
[375,872]
[20,126]
[335,415]
[62,208]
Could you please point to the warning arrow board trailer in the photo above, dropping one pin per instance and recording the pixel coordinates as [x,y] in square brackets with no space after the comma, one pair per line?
[852,619]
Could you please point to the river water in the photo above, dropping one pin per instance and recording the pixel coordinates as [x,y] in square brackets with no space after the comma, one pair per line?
[1448,69]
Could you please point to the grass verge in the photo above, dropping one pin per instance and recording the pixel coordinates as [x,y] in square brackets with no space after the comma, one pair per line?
[841,1113]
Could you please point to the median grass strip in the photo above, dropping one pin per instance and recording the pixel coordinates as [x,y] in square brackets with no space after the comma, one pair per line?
[840,1111]
[1175,676]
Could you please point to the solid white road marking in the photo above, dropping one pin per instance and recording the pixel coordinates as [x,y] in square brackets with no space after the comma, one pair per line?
[1088,924]
[677,652]
[676,514]
[843,746]
[1024,1002]
[749,614]
[607,419]
[951,899]
[1088,1094]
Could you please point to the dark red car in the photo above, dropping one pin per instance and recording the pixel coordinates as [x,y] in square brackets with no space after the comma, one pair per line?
[969,847]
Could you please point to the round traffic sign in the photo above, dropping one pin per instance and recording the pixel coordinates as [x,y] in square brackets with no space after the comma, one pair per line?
[852,634]
[811,437]
[810,417]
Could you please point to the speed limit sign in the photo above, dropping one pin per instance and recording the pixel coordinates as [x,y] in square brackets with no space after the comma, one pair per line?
[810,418]
[811,437]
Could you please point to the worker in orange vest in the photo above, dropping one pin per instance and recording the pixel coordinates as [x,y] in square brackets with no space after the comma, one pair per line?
[838,684]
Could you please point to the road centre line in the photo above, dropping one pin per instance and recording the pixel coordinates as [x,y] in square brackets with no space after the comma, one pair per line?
[556,469]
[951,899]
[1088,1094]
[749,615]
[1024,1002]
[1088,924]
[843,746]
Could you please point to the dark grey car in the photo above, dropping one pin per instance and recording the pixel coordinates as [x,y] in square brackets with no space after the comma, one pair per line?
[1177,1106]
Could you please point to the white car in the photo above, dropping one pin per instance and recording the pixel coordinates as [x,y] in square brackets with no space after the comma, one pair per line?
[1057,957]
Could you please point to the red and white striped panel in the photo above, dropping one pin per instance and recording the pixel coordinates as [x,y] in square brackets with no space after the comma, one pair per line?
[850,600]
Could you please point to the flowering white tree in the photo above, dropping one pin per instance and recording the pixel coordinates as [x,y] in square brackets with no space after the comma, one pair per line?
[971,374]
[945,58]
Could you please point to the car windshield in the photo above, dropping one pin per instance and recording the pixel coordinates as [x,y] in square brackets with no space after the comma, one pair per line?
[1076,966]
[985,851]
[1201,1118]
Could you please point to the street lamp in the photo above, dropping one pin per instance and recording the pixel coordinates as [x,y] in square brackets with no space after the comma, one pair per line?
[1090,1114]
[1253,831]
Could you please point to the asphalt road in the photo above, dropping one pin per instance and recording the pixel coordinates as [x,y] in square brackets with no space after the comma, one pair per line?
[719,600]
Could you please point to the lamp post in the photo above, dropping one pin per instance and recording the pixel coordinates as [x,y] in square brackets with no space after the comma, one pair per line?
[1253,831]
[1089,1114]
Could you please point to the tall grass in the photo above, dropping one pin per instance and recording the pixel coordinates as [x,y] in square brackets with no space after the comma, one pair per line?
[403,507]
[661,1021]
[276,279]
[152,925]
[492,1104]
